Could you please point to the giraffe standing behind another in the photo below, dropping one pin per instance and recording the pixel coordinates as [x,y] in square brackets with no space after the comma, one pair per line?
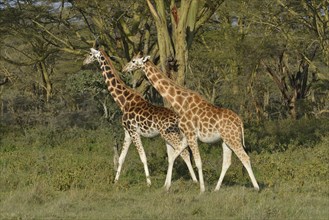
[199,119]
[141,118]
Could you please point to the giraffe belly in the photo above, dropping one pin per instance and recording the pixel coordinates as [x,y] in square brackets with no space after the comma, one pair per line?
[209,138]
[148,133]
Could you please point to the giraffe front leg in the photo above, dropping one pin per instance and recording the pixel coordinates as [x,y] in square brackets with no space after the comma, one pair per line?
[227,154]
[123,154]
[192,142]
[137,141]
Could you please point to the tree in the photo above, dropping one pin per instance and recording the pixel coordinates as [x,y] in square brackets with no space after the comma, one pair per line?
[126,28]
[313,15]
[266,60]
[175,35]
[291,62]
[24,44]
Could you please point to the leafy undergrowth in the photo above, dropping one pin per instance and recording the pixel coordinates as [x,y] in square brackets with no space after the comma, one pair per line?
[73,178]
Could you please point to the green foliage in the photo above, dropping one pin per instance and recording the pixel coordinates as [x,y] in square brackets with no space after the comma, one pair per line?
[294,166]
[60,159]
[71,176]
[229,61]
[262,61]
[273,136]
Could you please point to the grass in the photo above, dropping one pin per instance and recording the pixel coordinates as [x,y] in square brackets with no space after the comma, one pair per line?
[72,179]
[183,202]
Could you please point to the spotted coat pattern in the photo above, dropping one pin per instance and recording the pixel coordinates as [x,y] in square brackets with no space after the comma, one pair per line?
[141,118]
[199,119]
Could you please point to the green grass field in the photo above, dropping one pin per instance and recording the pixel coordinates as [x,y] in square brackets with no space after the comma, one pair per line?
[69,175]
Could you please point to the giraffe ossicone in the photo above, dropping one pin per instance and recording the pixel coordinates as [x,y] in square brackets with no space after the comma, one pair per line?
[199,119]
[141,118]
[93,56]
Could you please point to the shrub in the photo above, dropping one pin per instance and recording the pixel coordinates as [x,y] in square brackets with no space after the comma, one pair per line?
[279,135]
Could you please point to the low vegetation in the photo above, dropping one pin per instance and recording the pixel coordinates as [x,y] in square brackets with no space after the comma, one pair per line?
[69,174]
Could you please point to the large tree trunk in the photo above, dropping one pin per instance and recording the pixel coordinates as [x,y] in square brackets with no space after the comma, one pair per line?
[175,37]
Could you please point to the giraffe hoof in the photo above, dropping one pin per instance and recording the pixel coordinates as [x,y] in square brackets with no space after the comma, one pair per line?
[167,188]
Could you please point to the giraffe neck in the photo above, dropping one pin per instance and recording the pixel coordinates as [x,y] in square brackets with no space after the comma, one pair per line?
[178,96]
[120,92]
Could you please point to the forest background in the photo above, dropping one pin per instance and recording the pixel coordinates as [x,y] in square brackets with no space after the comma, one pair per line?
[60,129]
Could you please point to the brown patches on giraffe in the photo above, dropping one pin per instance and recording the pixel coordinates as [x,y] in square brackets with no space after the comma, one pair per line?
[196,124]
[140,118]
[179,99]
[171,92]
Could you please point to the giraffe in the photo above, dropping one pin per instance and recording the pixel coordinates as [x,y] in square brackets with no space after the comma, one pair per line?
[198,119]
[141,118]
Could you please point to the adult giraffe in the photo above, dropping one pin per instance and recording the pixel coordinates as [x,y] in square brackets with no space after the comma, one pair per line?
[141,118]
[199,119]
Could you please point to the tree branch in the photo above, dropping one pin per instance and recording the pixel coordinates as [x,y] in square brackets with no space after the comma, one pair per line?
[153,11]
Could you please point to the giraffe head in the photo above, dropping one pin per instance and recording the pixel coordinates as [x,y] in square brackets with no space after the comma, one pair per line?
[137,62]
[93,56]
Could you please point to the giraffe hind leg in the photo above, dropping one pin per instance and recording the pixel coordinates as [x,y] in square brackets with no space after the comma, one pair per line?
[172,155]
[176,145]
[245,159]
[138,143]
[186,157]
[247,165]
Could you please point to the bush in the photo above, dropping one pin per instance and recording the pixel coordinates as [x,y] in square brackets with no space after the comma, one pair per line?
[280,135]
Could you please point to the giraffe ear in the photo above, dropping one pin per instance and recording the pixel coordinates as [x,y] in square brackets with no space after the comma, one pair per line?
[93,50]
[146,58]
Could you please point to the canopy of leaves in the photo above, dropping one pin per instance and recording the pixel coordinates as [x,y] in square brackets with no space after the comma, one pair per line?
[264,59]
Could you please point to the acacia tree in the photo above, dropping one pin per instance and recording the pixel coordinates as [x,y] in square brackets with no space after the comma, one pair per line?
[175,33]
[275,60]
[26,42]
[294,83]
[291,61]
[314,16]
[126,27]
[123,28]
